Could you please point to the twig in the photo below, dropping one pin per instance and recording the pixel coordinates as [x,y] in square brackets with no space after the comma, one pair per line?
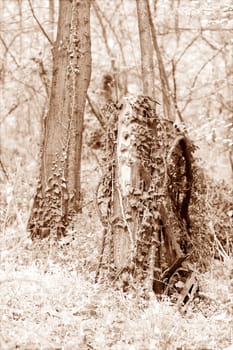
[194,29]
[96,112]
[101,216]
[187,47]
[208,42]
[199,72]
[175,93]
[4,169]
[105,231]
[103,28]
[42,74]
[8,50]
[39,24]
[112,30]
[219,246]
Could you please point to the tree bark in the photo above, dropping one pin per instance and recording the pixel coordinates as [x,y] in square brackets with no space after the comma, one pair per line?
[51,19]
[146,48]
[168,108]
[58,192]
[145,194]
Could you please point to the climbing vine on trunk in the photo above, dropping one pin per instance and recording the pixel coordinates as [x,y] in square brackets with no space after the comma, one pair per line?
[144,195]
[57,197]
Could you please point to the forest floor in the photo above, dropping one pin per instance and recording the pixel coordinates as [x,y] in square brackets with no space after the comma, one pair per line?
[49,299]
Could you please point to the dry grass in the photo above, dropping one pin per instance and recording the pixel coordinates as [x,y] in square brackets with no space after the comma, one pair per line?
[49,299]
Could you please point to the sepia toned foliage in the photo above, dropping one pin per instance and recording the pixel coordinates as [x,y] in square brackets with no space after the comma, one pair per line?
[163,219]
[186,33]
[151,199]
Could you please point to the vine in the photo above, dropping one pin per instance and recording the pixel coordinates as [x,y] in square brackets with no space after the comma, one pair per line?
[146,190]
[49,215]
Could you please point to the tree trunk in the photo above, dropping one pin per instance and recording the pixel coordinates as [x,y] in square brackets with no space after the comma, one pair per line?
[145,194]
[51,20]
[168,107]
[58,192]
[146,48]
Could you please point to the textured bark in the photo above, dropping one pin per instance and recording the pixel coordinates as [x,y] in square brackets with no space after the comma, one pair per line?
[146,48]
[58,193]
[145,195]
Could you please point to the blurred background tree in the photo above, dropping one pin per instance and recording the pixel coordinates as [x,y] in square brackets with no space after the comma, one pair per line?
[195,41]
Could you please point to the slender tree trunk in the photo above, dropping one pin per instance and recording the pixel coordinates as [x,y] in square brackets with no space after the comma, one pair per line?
[51,19]
[58,193]
[146,48]
[169,112]
[21,30]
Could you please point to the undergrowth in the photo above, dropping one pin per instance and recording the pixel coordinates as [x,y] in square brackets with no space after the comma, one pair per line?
[49,299]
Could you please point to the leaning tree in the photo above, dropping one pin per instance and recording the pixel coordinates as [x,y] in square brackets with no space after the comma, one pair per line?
[58,192]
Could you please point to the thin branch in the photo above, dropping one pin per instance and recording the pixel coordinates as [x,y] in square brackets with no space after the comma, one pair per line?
[189,29]
[116,9]
[177,18]
[227,105]
[27,85]
[4,170]
[199,72]
[208,42]
[112,29]
[187,47]
[42,74]
[175,92]
[230,154]
[186,97]
[101,255]
[96,112]
[14,107]
[39,24]
[7,50]
[103,28]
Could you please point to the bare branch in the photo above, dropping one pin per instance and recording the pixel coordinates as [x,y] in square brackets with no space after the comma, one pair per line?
[116,9]
[96,112]
[96,7]
[175,92]
[7,50]
[190,29]
[98,15]
[187,47]
[199,72]
[39,24]
[4,170]
[42,74]
[208,42]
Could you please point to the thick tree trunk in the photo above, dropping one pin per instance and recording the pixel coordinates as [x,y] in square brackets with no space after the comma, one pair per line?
[145,194]
[146,48]
[58,193]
